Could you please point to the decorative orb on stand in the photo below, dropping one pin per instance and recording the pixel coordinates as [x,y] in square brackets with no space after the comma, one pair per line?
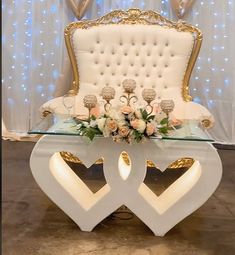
[107,93]
[129,86]
[149,95]
[90,101]
[167,106]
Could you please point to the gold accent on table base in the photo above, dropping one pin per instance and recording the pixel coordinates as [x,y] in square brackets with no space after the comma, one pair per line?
[133,17]
[180,163]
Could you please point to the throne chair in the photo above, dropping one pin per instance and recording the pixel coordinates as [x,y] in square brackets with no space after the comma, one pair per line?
[158,54]
[141,45]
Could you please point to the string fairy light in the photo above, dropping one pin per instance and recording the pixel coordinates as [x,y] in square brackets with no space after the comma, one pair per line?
[46,69]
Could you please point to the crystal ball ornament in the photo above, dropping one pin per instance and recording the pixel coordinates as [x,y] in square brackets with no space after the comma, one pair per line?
[149,95]
[90,101]
[167,106]
[108,93]
[129,85]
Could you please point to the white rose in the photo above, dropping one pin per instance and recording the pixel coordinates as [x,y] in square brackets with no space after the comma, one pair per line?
[159,116]
[93,123]
[101,123]
[115,114]
[138,114]
[86,124]
[121,122]
[141,126]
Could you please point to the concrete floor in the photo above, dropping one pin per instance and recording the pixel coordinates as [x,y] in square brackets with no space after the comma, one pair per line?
[33,225]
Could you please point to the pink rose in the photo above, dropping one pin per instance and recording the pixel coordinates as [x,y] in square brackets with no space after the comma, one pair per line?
[135,123]
[138,124]
[126,109]
[112,125]
[156,109]
[117,138]
[150,129]
[95,111]
[123,131]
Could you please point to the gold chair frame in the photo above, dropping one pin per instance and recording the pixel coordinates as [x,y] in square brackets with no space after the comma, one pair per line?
[135,17]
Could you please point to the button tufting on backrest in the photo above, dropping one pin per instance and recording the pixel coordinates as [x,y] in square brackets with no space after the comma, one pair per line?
[155,57]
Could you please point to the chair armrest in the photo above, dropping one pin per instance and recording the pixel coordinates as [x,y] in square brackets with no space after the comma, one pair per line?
[54,105]
[192,110]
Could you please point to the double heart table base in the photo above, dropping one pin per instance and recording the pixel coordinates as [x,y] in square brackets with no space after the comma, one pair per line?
[124,182]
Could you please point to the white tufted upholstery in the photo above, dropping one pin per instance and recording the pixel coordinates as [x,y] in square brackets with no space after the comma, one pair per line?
[156,57]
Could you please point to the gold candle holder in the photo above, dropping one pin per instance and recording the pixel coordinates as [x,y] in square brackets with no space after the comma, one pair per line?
[167,106]
[90,101]
[129,86]
[149,95]
[107,93]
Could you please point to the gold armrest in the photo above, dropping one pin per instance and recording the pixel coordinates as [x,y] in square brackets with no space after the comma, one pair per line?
[45,113]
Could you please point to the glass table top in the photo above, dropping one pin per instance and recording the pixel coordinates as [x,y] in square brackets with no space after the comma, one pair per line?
[190,130]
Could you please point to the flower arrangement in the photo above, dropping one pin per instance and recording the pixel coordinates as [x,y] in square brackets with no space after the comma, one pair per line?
[124,124]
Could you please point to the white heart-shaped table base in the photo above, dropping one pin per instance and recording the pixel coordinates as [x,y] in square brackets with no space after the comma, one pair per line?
[125,183]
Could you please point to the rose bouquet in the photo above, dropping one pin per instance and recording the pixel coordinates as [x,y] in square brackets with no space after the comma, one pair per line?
[125,124]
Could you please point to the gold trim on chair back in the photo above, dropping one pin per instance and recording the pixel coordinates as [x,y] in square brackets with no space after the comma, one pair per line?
[135,16]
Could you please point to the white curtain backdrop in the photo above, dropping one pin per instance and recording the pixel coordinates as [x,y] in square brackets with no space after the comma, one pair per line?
[35,58]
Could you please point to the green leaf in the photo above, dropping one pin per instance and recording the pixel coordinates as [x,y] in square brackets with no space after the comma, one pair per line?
[137,136]
[150,117]
[144,114]
[93,117]
[163,130]
[164,121]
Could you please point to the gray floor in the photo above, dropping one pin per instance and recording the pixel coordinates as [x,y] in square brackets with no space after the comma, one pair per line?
[33,225]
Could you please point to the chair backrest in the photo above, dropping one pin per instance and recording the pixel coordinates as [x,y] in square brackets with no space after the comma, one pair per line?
[141,45]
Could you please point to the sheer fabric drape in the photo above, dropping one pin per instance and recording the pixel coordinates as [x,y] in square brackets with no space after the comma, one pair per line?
[36,67]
